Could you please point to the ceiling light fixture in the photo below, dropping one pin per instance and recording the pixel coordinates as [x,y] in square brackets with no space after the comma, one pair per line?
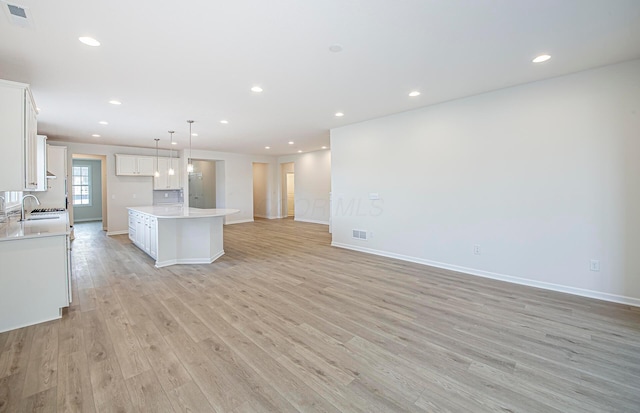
[541,58]
[95,135]
[291,142]
[194,134]
[174,143]
[324,147]
[335,48]
[300,151]
[103,122]
[171,171]
[267,147]
[224,122]
[256,89]
[157,172]
[189,161]
[115,102]
[339,114]
[89,41]
[414,93]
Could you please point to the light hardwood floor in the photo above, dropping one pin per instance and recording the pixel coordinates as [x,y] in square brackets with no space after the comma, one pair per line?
[284,322]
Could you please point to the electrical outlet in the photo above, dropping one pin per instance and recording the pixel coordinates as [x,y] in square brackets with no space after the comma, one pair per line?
[476,249]
[595,265]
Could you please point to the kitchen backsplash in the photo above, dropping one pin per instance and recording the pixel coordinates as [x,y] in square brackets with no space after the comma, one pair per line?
[168,197]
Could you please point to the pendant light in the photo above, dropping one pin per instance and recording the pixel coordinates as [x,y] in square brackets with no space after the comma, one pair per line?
[171,170]
[190,161]
[157,172]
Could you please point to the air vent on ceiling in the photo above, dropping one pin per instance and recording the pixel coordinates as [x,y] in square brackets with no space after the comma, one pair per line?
[18,15]
[359,234]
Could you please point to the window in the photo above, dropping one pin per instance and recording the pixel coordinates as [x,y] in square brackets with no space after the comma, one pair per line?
[81,185]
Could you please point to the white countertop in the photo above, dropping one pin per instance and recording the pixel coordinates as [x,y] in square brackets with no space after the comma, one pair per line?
[14,230]
[160,211]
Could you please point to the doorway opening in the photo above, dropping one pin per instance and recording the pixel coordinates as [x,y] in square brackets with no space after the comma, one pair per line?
[291,200]
[87,189]
[260,190]
[287,190]
[206,184]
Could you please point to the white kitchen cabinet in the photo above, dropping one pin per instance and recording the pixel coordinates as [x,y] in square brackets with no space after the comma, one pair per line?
[35,271]
[153,237]
[134,165]
[41,163]
[143,232]
[132,226]
[164,180]
[140,230]
[19,132]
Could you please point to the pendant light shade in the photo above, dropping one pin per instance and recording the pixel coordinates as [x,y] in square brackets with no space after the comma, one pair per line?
[190,161]
[171,171]
[157,172]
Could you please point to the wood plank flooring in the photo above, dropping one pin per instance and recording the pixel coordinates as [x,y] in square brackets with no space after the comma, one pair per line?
[284,323]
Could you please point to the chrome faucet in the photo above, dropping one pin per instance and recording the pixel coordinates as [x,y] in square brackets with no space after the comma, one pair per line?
[22,202]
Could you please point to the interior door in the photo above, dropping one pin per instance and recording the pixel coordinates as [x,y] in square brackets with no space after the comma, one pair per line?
[290,195]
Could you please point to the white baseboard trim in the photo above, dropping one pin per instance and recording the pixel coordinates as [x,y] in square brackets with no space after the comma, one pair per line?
[109,233]
[87,220]
[242,221]
[264,217]
[311,221]
[621,299]
[189,261]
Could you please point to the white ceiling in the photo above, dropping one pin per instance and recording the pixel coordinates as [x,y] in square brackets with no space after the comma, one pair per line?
[169,61]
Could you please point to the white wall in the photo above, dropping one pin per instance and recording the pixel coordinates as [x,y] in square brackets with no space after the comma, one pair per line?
[544,177]
[312,185]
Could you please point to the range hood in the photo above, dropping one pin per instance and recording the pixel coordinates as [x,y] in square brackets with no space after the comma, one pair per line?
[50,175]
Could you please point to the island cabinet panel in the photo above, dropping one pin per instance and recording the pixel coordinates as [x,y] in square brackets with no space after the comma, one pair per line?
[177,235]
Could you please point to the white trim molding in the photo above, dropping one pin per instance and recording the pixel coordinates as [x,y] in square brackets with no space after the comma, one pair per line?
[501,277]
[311,221]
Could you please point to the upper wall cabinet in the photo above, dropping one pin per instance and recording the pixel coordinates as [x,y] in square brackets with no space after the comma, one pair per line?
[164,180]
[19,137]
[134,165]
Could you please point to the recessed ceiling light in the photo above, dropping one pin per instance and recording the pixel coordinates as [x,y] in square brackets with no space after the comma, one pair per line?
[37,109]
[95,135]
[414,93]
[256,89]
[224,122]
[194,134]
[541,58]
[267,147]
[103,122]
[335,48]
[89,41]
[339,114]
[291,142]
[300,151]
[324,147]
[115,102]
[174,143]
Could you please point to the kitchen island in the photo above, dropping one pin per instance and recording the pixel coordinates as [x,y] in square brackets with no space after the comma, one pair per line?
[35,270]
[178,235]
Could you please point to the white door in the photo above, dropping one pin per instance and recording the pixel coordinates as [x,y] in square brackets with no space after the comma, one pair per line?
[290,195]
